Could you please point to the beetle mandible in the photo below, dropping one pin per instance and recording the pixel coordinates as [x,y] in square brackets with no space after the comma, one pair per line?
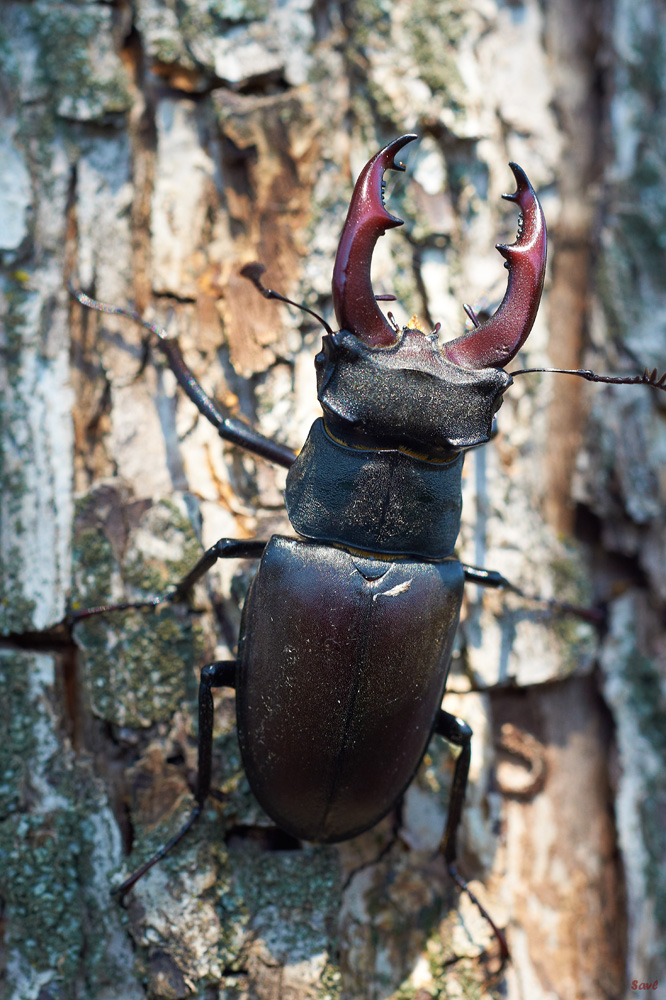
[347,629]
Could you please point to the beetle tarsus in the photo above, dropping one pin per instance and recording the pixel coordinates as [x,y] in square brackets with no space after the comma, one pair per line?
[505,954]
[121,890]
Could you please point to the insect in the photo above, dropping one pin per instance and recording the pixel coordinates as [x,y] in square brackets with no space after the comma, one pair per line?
[347,629]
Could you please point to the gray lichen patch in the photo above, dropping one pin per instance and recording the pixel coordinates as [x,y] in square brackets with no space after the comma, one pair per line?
[630,272]
[634,690]
[68,64]
[644,688]
[35,435]
[167,29]
[138,663]
[232,40]
[58,844]
[253,909]
[290,900]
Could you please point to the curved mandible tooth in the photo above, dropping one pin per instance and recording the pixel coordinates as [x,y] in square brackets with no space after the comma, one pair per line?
[498,340]
[367,220]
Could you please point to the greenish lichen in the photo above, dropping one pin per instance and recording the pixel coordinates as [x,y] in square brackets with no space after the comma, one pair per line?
[56,846]
[571,584]
[16,447]
[646,700]
[138,664]
[16,610]
[422,45]
[54,914]
[434,31]
[19,717]
[39,858]
[276,889]
[214,16]
[68,67]
[647,704]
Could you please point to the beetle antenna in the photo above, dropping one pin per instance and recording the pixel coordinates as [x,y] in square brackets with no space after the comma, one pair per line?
[647,378]
[253,273]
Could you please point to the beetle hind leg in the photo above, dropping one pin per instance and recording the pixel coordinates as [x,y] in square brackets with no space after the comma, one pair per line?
[221,673]
[457,732]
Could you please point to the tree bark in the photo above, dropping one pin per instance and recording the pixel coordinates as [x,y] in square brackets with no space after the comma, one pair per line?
[147,152]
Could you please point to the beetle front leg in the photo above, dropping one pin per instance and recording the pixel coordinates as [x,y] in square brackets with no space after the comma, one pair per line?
[221,673]
[229,428]
[457,732]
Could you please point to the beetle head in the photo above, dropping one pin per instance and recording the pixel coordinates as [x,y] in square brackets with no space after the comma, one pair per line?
[400,387]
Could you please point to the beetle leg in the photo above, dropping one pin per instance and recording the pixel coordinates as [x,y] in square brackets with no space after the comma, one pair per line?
[225,548]
[491,578]
[221,673]
[457,731]
[229,428]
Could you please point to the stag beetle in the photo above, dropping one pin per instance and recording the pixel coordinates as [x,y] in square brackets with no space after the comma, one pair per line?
[347,629]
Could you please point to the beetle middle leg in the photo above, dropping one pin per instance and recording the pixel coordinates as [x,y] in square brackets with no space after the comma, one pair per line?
[224,548]
[491,578]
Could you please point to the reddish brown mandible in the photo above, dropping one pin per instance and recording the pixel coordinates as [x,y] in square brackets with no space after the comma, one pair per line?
[492,344]
[367,220]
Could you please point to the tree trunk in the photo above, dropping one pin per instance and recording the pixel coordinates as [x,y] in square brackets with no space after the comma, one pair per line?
[148,151]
